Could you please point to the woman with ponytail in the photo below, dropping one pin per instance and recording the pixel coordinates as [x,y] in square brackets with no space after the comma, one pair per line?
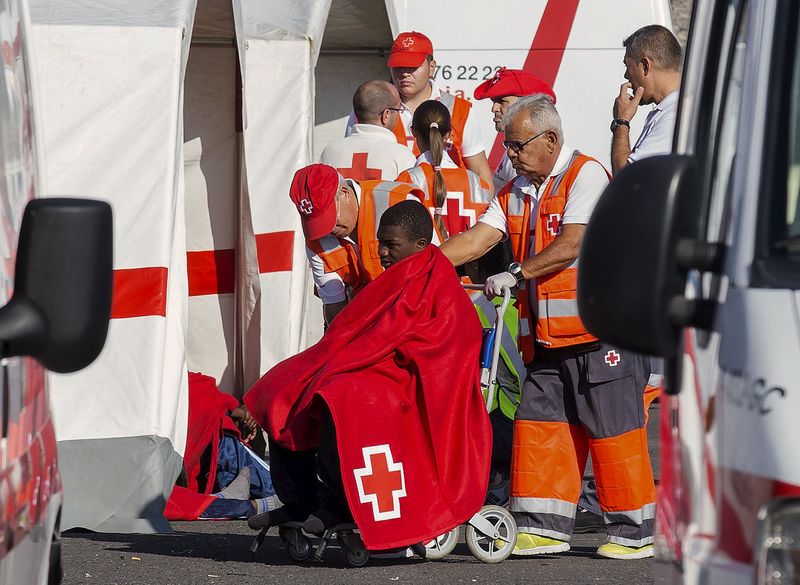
[456,196]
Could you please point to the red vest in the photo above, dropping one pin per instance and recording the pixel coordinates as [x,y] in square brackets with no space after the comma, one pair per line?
[459,112]
[468,195]
[558,323]
[358,266]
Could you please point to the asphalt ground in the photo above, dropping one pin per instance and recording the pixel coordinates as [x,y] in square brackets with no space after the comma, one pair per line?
[218,553]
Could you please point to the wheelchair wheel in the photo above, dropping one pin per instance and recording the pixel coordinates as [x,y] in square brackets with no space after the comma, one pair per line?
[442,545]
[493,550]
[298,546]
[357,554]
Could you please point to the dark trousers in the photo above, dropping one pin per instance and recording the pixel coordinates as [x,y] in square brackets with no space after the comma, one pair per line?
[310,481]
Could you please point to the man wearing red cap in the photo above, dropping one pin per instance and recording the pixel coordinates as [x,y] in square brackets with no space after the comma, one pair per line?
[340,222]
[412,66]
[504,89]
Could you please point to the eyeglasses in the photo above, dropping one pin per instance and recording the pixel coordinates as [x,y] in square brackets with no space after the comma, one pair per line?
[517,146]
[394,109]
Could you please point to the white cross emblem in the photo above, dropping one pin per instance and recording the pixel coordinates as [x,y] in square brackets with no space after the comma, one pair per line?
[408,42]
[554,223]
[381,482]
[306,207]
[612,358]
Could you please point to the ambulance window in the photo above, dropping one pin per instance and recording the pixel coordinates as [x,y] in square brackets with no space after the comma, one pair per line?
[785,235]
[725,148]
[778,251]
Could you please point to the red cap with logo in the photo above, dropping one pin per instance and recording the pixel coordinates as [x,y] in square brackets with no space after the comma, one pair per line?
[409,50]
[313,191]
[512,82]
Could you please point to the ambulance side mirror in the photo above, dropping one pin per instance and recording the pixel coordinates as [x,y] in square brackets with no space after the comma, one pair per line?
[630,283]
[61,302]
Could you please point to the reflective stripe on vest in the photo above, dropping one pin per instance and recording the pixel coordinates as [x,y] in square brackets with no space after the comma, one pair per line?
[517,208]
[376,198]
[340,256]
[459,109]
[558,323]
[461,185]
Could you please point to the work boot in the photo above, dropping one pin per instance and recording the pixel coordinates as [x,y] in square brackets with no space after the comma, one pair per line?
[587,521]
[533,544]
[612,550]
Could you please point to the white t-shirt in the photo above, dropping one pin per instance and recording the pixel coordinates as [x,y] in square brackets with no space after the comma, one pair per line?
[656,136]
[370,152]
[504,173]
[330,286]
[586,190]
[426,157]
[471,143]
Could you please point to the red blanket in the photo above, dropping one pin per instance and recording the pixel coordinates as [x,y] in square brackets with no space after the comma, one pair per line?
[208,408]
[398,369]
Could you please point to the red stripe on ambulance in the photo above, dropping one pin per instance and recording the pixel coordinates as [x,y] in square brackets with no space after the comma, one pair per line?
[546,52]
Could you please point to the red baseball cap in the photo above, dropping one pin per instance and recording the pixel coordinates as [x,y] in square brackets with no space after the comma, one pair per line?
[512,82]
[409,50]
[313,191]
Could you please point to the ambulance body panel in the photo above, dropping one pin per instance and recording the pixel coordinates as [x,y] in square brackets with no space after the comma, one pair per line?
[726,252]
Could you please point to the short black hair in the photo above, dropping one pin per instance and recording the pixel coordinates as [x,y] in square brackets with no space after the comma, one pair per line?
[412,217]
[656,42]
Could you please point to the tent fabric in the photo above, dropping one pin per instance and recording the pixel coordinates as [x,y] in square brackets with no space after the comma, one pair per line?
[277,44]
[111,120]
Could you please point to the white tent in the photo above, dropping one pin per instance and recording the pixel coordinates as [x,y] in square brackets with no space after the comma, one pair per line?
[122,85]
[190,117]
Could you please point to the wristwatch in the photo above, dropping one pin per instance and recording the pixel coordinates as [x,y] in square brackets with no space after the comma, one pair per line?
[515,269]
[617,122]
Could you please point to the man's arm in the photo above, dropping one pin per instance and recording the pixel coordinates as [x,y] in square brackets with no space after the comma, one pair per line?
[625,107]
[471,244]
[479,165]
[557,255]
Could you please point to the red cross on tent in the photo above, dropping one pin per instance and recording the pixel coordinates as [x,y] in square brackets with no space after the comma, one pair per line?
[359,170]
[381,482]
[612,358]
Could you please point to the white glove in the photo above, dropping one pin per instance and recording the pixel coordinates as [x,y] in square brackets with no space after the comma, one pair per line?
[494,284]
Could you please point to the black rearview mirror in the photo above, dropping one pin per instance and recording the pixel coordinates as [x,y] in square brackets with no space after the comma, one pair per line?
[61,304]
[630,283]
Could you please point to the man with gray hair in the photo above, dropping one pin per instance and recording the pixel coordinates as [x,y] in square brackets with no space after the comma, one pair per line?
[580,394]
[652,70]
[371,151]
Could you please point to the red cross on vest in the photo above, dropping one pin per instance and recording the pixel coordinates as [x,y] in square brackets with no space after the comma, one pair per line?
[554,223]
[381,482]
[359,170]
[457,219]
[612,358]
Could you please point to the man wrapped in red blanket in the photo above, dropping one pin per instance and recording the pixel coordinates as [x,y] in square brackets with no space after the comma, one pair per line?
[387,405]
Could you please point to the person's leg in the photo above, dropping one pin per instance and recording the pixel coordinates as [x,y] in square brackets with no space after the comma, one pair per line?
[611,407]
[550,451]
[333,508]
[235,456]
[294,477]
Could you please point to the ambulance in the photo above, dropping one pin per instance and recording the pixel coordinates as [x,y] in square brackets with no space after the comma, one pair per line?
[55,294]
[695,256]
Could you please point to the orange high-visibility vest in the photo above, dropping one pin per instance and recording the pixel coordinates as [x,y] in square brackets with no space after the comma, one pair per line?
[357,269]
[459,112]
[558,323]
[468,195]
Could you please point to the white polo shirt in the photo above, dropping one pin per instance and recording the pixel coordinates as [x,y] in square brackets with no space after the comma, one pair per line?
[370,152]
[471,143]
[656,136]
[504,173]
[586,190]
[330,286]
